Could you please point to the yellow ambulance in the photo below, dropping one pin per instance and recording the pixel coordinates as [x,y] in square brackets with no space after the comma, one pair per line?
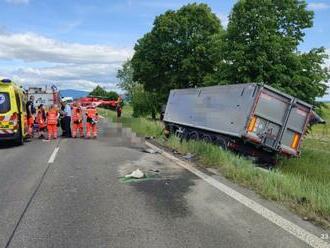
[13,116]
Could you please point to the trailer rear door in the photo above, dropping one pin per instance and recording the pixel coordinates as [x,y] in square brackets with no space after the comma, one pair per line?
[278,121]
[296,125]
[268,118]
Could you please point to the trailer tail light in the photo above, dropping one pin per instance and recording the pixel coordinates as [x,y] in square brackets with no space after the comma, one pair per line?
[252,124]
[295,141]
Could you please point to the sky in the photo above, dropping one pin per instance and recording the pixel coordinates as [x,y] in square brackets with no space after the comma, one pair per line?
[80,44]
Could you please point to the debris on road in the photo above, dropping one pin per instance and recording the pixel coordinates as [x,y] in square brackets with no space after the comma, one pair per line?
[155,170]
[151,151]
[188,156]
[175,152]
[137,174]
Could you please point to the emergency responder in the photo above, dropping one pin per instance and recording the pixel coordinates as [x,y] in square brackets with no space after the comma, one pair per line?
[52,119]
[92,118]
[77,121]
[119,106]
[66,112]
[30,111]
[41,119]
[61,119]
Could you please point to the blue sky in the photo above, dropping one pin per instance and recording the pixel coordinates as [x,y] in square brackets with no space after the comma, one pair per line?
[79,44]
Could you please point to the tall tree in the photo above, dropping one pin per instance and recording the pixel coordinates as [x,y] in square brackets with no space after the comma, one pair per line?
[177,53]
[261,46]
[101,92]
[125,76]
[112,95]
[98,91]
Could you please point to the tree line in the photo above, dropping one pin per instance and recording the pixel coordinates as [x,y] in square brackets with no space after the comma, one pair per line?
[189,47]
[102,93]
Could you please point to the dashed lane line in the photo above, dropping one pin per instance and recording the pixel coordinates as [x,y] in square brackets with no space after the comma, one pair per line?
[271,216]
[53,156]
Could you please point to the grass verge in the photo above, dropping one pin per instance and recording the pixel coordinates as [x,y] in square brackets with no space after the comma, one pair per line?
[301,184]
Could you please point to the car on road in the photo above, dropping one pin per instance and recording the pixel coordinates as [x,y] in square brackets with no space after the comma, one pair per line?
[13,116]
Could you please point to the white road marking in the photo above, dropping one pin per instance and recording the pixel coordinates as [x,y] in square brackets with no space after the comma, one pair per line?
[278,220]
[53,156]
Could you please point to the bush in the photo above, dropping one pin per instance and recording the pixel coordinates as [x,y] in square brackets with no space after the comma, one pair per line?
[144,103]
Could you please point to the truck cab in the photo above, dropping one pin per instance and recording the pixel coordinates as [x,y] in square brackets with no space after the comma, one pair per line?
[13,116]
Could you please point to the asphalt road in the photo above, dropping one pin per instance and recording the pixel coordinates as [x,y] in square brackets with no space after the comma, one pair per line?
[81,200]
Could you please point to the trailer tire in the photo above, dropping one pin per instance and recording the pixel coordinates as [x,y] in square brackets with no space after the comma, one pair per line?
[222,143]
[207,138]
[180,133]
[193,135]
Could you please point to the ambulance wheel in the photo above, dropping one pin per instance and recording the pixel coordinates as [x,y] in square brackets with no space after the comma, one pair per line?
[20,139]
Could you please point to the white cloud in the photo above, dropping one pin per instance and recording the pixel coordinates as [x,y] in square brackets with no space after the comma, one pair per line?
[318,6]
[31,47]
[224,19]
[95,72]
[68,65]
[18,1]
[82,77]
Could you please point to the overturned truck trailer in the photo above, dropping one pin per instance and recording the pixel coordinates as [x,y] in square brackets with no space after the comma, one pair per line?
[252,119]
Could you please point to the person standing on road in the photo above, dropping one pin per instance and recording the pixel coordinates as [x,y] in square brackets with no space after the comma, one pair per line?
[30,110]
[77,121]
[41,119]
[92,118]
[52,119]
[67,120]
[119,106]
[61,119]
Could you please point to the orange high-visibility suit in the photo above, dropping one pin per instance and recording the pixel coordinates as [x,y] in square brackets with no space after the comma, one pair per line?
[77,120]
[92,118]
[30,122]
[52,119]
[41,120]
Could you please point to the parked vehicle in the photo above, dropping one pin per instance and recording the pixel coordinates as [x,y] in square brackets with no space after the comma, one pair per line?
[252,119]
[98,101]
[13,116]
[46,96]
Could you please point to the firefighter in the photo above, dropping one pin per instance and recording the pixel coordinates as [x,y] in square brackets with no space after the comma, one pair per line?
[52,119]
[41,121]
[92,118]
[77,119]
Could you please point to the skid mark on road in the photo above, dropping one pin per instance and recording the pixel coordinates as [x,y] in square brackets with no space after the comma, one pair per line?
[278,220]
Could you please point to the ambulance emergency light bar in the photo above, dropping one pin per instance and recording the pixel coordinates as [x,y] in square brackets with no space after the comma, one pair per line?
[6,81]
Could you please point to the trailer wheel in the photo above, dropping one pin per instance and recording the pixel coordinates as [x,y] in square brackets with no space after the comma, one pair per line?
[207,138]
[193,135]
[180,133]
[222,143]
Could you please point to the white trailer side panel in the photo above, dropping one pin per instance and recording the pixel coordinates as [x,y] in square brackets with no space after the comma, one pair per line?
[222,109]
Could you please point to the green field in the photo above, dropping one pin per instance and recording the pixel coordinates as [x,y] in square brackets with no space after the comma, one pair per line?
[302,184]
